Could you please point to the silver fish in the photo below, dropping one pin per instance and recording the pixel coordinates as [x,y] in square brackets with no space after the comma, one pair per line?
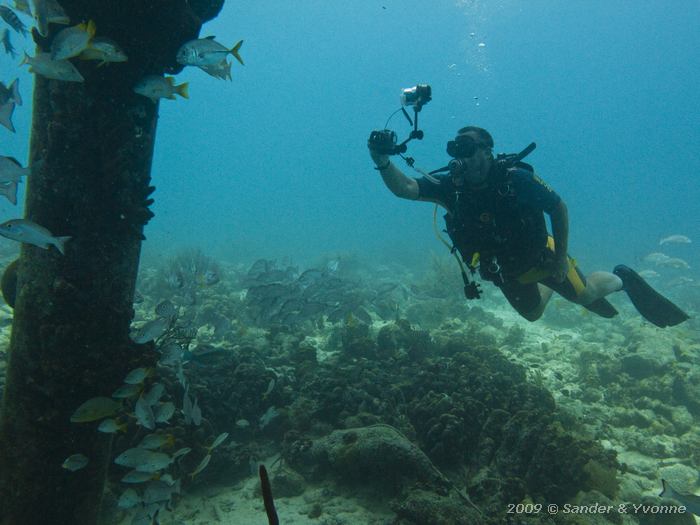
[29,232]
[202,465]
[206,52]
[7,43]
[72,41]
[137,477]
[9,16]
[674,262]
[43,65]
[218,441]
[157,491]
[105,50]
[150,330]
[11,170]
[156,87]
[675,239]
[221,70]
[75,462]
[154,441]
[9,98]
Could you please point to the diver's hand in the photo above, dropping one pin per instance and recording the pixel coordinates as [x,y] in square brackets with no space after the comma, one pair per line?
[379,159]
[560,267]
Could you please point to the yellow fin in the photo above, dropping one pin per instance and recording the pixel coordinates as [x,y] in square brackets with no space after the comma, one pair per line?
[234,51]
[91,28]
[182,90]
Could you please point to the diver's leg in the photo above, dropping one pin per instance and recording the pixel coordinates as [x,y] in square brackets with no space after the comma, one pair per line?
[529,300]
[598,285]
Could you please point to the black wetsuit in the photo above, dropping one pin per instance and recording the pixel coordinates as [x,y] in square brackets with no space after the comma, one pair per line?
[503,222]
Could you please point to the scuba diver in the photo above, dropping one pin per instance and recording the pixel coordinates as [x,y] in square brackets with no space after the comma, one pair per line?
[495,220]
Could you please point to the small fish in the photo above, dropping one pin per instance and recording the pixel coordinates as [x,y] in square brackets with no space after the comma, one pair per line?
[94,409]
[187,408]
[196,414]
[202,465]
[128,499]
[675,239]
[138,376]
[48,12]
[221,70]
[656,257]
[143,460]
[690,501]
[150,331]
[648,274]
[7,43]
[218,441]
[144,414]
[166,309]
[9,98]
[111,426]
[43,65]
[127,391]
[164,411]
[181,452]
[156,87]
[206,52]
[158,491]
[105,50]
[11,170]
[154,441]
[135,476]
[270,388]
[154,394]
[75,462]
[674,262]
[9,191]
[9,16]
[242,423]
[72,41]
[29,232]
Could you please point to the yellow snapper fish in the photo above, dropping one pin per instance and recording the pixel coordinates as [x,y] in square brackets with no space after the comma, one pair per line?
[72,41]
[206,52]
[43,65]
[156,87]
[48,12]
[94,409]
[29,232]
[105,50]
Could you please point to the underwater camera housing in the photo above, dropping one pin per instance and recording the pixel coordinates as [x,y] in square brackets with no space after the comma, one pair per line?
[416,96]
[384,141]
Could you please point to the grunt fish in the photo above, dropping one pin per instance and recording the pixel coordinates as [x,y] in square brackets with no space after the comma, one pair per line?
[7,43]
[43,65]
[150,331]
[143,460]
[94,409]
[156,87]
[138,376]
[29,232]
[48,12]
[72,41]
[128,499]
[144,414]
[105,50]
[111,426]
[75,462]
[11,170]
[9,191]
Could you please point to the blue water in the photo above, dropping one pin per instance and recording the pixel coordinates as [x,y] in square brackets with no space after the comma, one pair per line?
[275,163]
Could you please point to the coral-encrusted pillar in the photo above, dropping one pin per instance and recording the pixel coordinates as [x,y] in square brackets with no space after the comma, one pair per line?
[91,149]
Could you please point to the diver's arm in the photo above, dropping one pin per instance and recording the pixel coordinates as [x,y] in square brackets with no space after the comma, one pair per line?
[560,230]
[394,179]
